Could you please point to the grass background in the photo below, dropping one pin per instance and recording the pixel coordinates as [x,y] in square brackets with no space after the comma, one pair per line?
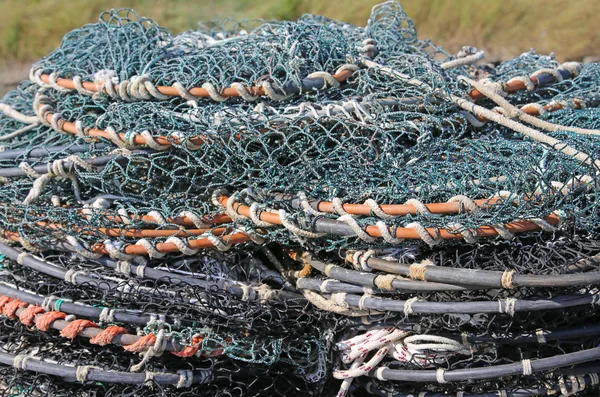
[30,29]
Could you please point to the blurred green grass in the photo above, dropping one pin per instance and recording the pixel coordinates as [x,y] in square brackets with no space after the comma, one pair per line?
[29,29]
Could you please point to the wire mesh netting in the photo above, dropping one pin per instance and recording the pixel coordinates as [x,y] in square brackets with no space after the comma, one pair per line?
[297,207]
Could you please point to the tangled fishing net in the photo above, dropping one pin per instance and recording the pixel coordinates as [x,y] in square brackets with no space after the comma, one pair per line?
[297,208]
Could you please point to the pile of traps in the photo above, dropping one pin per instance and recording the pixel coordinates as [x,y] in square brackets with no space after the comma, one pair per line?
[298,208]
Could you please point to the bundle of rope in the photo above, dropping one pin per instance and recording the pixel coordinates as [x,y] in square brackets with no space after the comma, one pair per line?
[276,208]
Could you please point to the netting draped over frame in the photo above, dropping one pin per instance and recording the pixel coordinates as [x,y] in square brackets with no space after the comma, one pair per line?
[284,207]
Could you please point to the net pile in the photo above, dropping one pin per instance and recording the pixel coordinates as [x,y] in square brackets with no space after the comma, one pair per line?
[309,207]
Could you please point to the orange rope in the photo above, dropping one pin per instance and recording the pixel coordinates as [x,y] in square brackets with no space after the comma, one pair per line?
[28,315]
[189,351]
[11,308]
[3,301]
[107,335]
[75,327]
[141,344]
[44,321]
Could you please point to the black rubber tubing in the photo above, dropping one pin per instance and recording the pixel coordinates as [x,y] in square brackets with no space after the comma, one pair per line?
[495,371]
[45,151]
[368,279]
[97,375]
[425,307]
[59,272]
[487,278]
[79,310]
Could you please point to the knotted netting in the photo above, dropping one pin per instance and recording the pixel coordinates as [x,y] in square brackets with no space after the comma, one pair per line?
[282,207]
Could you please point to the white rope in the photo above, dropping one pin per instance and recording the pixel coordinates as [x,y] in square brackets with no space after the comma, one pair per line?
[80,249]
[20,361]
[527,369]
[48,303]
[140,271]
[469,236]
[408,310]
[123,267]
[526,80]
[419,206]
[306,205]
[233,214]
[155,350]
[328,79]
[20,117]
[255,216]
[553,72]
[506,280]
[515,112]
[196,220]
[439,376]
[28,169]
[295,229]
[82,372]
[150,249]
[158,218]
[509,306]
[186,377]
[361,301]
[464,61]
[424,234]
[385,233]
[21,257]
[541,338]
[72,274]
[324,287]
[18,132]
[181,245]
[493,116]
[377,210]
[360,233]
[114,250]
[107,315]
[364,259]
[338,206]
[464,202]
[217,242]
[244,92]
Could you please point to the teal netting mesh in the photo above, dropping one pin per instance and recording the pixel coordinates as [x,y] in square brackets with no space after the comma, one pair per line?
[129,142]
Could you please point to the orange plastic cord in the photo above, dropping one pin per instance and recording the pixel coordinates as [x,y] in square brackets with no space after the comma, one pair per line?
[534,111]
[132,249]
[75,327]
[509,88]
[28,315]
[44,322]
[406,209]
[172,91]
[407,233]
[107,335]
[141,344]
[140,233]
